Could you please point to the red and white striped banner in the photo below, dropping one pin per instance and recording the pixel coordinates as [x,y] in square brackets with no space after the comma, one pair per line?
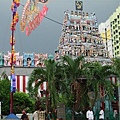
[113,79]
[22,84]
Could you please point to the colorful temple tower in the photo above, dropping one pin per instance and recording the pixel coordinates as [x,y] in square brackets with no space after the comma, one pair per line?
[80,36]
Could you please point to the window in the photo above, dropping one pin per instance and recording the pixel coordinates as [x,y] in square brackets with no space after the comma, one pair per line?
[117,52]
[116,31]
[111,24]
[117,16]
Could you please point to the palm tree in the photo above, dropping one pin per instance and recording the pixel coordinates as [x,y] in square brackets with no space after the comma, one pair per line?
[53,75]
[97,78]
[73,69]
[116,66]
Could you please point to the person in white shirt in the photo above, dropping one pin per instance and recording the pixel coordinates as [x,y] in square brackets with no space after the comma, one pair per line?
[89,114]
[35,115]
[101,114]
[39,114]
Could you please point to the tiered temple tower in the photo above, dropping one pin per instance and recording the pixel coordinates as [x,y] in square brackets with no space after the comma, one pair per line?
[80,36]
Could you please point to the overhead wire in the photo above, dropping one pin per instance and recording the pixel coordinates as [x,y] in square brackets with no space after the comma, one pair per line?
[53,20]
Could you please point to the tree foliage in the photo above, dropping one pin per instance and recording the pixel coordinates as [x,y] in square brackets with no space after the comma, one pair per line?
[98,79]
[23,101]
[5,96]
[70,80]
[53,75]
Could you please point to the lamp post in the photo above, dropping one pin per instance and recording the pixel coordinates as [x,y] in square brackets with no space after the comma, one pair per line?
[15,18]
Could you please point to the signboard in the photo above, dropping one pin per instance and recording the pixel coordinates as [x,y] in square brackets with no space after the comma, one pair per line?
[61,111]
[78,5]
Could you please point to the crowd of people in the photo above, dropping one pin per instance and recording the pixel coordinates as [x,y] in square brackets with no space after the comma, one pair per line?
[40,114]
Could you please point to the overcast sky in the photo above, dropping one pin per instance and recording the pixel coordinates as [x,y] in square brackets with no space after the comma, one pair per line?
[45,38]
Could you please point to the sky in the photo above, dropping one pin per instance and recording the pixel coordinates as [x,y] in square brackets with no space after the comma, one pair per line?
[45,38]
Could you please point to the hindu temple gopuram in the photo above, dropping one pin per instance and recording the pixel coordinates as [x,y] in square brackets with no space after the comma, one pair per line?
[80,36]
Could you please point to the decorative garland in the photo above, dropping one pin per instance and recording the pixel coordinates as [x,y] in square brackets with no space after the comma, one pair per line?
[14,6]
[32,16]
[36,21]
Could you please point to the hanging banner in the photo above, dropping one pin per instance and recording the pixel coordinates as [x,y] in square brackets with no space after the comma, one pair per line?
[25,12]
[36,21]
[32,16]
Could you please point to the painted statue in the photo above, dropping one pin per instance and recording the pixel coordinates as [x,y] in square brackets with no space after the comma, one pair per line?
[39,60]
[28,59]
[19,60]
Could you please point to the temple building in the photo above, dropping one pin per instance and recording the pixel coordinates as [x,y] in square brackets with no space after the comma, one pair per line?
[80,36]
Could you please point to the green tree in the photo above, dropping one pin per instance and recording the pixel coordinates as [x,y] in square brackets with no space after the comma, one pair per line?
[52,74]
[5,96]
[23,101]
[116,66]
[98,77]
[73,69]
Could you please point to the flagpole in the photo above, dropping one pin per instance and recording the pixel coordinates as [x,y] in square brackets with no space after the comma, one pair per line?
[15,17]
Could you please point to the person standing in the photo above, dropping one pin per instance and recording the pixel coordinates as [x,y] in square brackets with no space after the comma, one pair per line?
[35,115]
[42,114]
[101,114]
[89,114]
[39,114]
[49,116]
[24,116]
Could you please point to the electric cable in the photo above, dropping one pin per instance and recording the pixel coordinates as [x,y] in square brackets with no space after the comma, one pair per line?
[53,20]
